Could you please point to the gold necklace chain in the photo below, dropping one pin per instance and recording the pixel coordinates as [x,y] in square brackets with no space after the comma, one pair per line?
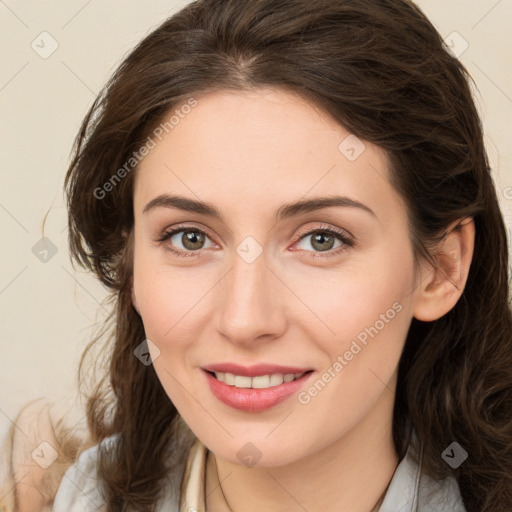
[220,484]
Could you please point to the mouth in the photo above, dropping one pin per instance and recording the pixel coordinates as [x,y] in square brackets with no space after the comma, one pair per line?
[257,392]
[258,382]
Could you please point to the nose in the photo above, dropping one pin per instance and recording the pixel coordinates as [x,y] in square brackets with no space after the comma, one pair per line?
[251,308]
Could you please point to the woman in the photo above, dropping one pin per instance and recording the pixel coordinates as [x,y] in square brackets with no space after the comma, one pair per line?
[292,206]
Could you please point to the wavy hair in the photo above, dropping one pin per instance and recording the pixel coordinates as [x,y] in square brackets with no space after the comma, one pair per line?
[381,70]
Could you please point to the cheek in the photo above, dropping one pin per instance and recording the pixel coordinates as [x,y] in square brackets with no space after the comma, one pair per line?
[154,294]
[164,307]
[359,298]
[152,298]
[366,314]
[166,304]
[370,321]
[170,300]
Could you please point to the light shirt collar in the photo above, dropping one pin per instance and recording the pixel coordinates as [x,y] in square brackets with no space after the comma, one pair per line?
[402,492]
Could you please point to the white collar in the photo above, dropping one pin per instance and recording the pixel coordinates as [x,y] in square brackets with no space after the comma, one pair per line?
[408,491]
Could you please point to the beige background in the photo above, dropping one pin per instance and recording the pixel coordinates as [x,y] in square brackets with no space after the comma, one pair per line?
[49,311]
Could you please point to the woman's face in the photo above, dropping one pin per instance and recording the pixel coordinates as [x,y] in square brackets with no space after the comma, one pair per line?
[259,283]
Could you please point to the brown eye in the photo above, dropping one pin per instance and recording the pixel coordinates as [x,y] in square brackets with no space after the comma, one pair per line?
[192,239]
[185,241]
[324,240]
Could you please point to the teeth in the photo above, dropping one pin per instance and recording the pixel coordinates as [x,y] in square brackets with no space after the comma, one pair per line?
[259,382]
[241,381]
[276,379]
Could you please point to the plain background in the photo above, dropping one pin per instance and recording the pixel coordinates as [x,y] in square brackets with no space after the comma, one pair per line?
[48,310]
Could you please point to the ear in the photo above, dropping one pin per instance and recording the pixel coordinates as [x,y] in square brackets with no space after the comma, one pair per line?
[441,286]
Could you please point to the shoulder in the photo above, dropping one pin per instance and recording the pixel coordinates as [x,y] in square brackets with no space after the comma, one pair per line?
[39,448]
[81,487]
[439,496]
[411,490]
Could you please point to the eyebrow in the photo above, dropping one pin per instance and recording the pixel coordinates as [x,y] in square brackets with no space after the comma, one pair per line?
[284,212]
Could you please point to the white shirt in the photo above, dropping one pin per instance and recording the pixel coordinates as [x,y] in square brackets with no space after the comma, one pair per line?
[408,491]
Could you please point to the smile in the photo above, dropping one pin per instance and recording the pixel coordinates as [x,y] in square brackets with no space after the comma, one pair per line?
[255,393]
[259,382]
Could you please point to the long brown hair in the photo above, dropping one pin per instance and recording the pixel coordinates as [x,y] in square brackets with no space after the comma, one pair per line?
[381,70]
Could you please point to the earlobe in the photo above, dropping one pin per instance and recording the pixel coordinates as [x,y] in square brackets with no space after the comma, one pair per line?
[442,285]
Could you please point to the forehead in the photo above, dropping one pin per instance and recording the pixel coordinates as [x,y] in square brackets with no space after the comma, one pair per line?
[261,148]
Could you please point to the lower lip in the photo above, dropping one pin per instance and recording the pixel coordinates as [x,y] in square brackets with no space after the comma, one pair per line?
[251,399]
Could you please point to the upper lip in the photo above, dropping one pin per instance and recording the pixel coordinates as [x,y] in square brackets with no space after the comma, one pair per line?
[254,370]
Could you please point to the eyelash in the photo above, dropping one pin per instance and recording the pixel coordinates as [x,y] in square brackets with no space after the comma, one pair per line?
[340,235]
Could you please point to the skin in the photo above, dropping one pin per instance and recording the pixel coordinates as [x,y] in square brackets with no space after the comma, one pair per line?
[248,153]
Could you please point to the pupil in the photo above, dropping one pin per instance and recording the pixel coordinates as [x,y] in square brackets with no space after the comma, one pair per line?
[317,241]
[192,239]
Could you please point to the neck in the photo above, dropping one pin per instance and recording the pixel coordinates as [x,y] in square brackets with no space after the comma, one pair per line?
[350,475]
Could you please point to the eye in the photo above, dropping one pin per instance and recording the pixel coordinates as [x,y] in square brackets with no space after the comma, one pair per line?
[323,240]
[189,241]
[185,241]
